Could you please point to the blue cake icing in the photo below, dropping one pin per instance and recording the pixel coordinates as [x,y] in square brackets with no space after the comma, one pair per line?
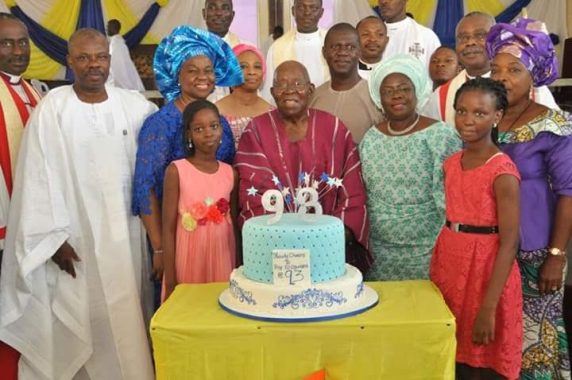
[322,235]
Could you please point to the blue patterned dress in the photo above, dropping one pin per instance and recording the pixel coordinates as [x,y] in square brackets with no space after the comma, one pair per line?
[403,177]
[161,142]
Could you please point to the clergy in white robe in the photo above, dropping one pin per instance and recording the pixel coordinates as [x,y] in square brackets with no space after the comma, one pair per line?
[406,36]
[373,40]
[302,44]
[72,188]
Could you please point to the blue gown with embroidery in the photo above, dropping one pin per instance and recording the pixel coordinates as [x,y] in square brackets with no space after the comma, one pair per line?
[160,142]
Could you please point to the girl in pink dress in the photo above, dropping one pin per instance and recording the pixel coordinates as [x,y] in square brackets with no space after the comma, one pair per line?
[199,205]
[473,262]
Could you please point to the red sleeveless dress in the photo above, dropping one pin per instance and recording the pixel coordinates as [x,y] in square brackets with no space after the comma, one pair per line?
[462,263]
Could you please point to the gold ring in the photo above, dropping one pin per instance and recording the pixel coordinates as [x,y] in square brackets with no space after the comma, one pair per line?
[554,288]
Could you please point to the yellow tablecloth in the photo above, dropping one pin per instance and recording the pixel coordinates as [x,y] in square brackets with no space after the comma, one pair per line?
[410,334]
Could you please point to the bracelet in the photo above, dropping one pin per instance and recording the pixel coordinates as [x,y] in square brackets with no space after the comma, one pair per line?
[157,251]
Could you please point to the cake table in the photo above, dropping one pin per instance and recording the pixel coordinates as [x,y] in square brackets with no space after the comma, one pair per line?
[410,334]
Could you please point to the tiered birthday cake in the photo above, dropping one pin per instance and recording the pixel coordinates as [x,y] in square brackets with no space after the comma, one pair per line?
[295,270]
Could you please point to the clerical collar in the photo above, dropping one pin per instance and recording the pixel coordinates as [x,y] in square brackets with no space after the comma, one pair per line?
[308,36]
[12,79]
[485,75]
[366,66]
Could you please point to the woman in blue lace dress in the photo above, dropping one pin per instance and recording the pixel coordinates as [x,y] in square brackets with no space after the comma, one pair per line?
[187,64]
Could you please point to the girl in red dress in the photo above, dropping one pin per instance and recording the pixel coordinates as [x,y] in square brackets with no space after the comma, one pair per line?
[473,263]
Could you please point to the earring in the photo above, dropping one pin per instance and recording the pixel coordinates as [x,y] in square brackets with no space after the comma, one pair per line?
[190,144]
[494,125]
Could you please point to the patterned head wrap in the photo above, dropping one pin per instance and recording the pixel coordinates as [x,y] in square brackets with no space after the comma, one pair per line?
[527,40]
[241,48]
[184,43]
[404,64]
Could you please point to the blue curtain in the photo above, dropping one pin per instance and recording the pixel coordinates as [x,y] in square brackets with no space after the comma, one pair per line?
[91,15]
[512,11]
[447,15]
[55,47]
[135,35]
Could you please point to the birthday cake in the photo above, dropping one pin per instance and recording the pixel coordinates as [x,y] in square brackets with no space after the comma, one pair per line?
[294,270]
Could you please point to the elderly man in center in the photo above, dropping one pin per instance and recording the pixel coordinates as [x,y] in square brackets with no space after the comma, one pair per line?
[346,94]
[295,146]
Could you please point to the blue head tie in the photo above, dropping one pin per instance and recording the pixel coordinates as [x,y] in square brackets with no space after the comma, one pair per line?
[184,43]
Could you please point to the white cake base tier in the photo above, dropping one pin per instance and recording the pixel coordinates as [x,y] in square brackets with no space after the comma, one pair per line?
[340,298]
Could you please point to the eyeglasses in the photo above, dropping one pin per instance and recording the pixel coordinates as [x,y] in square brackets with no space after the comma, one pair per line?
[479,37]
[391,92]
[284,86]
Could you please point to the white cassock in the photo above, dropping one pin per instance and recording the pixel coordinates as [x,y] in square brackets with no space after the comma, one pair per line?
[123,73]
[305,48]
[409,37]
[73,183]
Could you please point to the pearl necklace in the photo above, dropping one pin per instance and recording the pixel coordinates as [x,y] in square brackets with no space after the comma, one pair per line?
[404,131]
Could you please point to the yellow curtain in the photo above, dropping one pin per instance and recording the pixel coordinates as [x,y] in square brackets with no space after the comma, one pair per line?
[60,20]
[492,7]
[422,10]
[117,9]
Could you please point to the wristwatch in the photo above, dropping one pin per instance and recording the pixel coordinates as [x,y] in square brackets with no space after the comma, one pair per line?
[556,252]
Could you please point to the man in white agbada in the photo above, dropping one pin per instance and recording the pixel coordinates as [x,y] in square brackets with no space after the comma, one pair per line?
[71,275]
[405,34]
[303,44]
[123,72]
[471,35]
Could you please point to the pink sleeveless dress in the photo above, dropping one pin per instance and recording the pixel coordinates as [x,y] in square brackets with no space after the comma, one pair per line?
[205,246]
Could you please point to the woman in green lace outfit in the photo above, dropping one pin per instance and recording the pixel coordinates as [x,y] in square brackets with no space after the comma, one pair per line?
[402,163]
